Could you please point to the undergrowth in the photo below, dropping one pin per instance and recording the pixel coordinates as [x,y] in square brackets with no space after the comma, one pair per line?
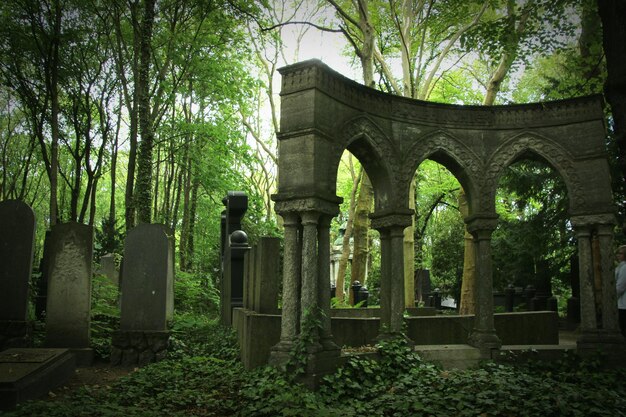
[202,377]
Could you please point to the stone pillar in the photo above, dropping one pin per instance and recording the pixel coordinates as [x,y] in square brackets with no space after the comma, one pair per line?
[323,286]
[588,321]
[391,228]
[232,286]
[68,311]
[609,296]
[17,241]
[483,335]
[598,334]
[309,296]
[289,326]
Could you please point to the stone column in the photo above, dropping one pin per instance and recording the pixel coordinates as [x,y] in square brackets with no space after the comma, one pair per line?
[588,322]
[385,281]
[483,335]
[309,296]
[391,228]
[291,283]
[609,296]
[323,285]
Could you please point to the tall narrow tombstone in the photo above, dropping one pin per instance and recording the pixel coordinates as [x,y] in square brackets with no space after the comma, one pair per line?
[68,306]
[267,275]
[147,287]
[231,285]
[17,239]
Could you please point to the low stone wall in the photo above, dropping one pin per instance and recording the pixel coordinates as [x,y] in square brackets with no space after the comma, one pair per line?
[138,348]
[369,312]
[257,333]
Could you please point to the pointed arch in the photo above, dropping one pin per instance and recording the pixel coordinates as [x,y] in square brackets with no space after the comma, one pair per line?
[368,143]
[446,149]
[529,143]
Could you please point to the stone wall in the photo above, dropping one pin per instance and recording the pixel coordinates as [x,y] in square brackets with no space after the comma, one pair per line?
[257,333]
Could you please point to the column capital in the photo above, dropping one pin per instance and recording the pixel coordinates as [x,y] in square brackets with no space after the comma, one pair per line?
[291,204]
[392,219]
[591,220]
[482,225]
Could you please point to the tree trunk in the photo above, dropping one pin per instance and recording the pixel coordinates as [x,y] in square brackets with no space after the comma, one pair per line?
[54,115]
[360,229]
[467,303]
[143,197]
[345,253]
[409,253]
[613,15]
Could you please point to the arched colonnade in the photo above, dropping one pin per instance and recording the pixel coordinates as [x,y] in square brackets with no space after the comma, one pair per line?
[324,113]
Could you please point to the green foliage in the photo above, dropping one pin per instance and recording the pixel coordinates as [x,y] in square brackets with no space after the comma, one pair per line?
[108,238]
[105,314]
[196,335]
[195,293]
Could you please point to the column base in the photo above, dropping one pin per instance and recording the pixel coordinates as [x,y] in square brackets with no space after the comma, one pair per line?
[484,340]
[609,344]
[312,365]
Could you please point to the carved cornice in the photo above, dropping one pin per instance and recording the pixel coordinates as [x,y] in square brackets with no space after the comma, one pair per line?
[285,204]
[591,220]
[314,74]
[387,220]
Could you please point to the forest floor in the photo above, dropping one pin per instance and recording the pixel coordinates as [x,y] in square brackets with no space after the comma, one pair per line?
[100,374]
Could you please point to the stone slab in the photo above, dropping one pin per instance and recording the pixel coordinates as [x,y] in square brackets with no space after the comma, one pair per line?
[27,374]
[451,356]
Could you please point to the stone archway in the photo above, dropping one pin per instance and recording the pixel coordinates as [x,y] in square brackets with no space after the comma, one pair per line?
[324,113]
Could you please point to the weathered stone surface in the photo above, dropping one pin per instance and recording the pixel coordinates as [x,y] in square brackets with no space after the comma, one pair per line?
[324,113]
[17,240]
[27,374]
[129,357]
[146,278]
[145,357]
[69,288]
[108,268]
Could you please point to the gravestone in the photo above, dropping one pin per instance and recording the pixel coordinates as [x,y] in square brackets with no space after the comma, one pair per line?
[108,268]
[232,291]
[68,308]
[17,238]
[231,284]
[422,284]
[27,374]
[147,296]
[267,276]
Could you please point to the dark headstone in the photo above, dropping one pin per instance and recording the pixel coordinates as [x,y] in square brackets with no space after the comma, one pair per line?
[17,239]
[147,278]
[69,286]
[422,284]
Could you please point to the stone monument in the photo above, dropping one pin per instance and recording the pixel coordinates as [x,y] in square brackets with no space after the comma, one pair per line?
[17,240]
[68,308]
[147,296]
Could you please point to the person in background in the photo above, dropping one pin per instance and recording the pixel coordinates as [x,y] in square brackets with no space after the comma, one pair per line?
[620,284]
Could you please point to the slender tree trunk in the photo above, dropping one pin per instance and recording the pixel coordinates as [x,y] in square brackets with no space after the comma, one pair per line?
[345,252]
[360,231]
[54,122]
[143,196]
[467,304]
